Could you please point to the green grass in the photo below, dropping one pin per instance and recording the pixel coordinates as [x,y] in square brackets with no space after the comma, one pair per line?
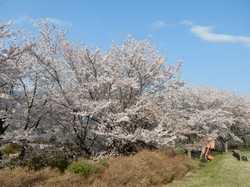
[224,171]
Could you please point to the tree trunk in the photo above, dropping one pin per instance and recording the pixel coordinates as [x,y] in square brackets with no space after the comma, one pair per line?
[2,127]
[23,150]
[189,153]
[226,146]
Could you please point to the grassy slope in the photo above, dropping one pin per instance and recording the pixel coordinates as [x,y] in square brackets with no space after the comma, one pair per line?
[144,169]
[224,171]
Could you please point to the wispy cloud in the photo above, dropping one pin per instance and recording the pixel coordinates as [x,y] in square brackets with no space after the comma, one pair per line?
[207,33]
[22,19]
[60,22]
[158,25]
[149,35]
[29,20]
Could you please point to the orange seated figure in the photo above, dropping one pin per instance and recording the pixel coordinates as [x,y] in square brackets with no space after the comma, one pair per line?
[206,150]
[209,157]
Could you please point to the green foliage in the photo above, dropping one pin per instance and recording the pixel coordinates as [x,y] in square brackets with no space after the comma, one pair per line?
[35,163]
[82,168]
[85,168]
[11,149]
[61,163]
[36,158]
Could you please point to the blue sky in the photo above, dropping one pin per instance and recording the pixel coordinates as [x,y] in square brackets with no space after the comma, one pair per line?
[213,37]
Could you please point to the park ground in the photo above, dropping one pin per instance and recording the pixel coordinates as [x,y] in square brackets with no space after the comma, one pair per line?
[145,169]
[224,171]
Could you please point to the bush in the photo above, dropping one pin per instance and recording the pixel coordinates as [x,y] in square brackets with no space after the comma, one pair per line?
[85,168]
[37,162]
[147,168]
[11,149]
[82,168]
[60,162]
[37,156]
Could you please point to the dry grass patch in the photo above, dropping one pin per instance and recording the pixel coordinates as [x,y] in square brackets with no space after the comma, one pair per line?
[146,169]
[23,177]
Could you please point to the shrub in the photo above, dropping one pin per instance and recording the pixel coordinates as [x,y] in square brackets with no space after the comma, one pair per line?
[11,149]
[147,168]
[36,158]
[60,162]
[82,168]
[21,176]
[86,169]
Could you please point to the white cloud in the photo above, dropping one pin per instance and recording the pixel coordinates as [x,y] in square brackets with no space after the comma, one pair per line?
[27,19]
[149,35]
[206,33]
[22,19]
[187,22]
[60,22]
[158,24]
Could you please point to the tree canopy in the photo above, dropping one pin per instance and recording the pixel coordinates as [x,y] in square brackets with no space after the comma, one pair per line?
[54,90]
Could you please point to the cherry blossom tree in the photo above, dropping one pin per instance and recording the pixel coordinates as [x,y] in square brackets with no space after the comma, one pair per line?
[8,51]
[116,94]
[211,113]
[104,101]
